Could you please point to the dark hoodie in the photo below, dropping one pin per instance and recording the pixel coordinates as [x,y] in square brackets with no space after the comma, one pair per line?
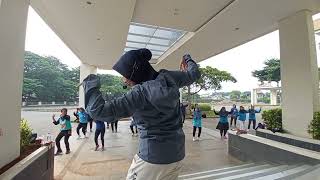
[134,65]
[154,105]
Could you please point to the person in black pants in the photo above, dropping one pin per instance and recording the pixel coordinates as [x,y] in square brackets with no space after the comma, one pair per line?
[100,130]
[83,122]
[65,131]
[223,124]
[90,120]
[114,126]
[183,111]
[133,124]
[234,115]
[252,116]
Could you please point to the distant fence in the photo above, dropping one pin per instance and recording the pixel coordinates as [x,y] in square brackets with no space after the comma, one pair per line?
[53,103]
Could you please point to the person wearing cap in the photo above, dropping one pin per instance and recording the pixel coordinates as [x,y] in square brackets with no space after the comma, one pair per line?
[153,102]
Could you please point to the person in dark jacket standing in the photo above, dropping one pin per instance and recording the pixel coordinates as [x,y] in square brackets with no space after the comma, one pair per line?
[114,126]
[100,130]
[154,104]
[133,124]
[183,111]
[234,115]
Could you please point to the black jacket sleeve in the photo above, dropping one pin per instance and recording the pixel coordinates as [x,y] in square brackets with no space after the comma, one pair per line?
[56,122]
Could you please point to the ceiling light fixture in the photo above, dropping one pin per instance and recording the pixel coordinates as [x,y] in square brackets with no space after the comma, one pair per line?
[89,2]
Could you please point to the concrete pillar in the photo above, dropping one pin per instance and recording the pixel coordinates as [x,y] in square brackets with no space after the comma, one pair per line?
[254,97]
[85,70]
[299,72]
[273,97]
[13,21]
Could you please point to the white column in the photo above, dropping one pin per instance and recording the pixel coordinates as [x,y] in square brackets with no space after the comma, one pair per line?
[299,72]
[85,70]
[254,97]
[13,21]
[273,97]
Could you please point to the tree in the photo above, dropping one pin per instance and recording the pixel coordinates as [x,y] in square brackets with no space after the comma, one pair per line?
[245,96]
[211,79]
[235,95]
[49,79]
[30,88]
[271,71]
[111,86]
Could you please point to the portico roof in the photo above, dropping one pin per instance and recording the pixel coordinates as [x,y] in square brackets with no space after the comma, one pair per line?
[97,30]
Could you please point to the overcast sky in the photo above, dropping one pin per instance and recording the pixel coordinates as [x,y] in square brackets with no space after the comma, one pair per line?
[240,61]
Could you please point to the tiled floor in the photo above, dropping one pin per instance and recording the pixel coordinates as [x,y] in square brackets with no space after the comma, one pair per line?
[113,163]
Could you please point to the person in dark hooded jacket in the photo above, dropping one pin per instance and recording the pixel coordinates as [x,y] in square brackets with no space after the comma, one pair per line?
[154,103]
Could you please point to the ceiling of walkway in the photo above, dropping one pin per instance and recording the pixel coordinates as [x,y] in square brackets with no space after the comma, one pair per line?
[96,30]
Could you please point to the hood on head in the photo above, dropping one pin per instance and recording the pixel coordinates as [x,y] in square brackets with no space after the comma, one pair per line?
[134,65]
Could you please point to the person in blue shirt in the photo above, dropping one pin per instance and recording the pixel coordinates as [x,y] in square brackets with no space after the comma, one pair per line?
[100,130]
[65,131]
[242,118]
[234,115]
[154,103]
[252,116]
[223,124]
[83,122]
[197,122]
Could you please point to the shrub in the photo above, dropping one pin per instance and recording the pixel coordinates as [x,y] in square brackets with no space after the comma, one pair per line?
[314,126]
[25,133]
[203,106]
[273,119]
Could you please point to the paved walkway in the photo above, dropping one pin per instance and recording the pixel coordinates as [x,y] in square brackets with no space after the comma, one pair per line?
[113,163]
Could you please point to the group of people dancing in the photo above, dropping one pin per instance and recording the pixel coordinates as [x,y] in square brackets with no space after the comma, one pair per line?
[237,116]
[83,119]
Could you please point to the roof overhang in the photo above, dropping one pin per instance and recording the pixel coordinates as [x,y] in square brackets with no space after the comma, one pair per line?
[96,30]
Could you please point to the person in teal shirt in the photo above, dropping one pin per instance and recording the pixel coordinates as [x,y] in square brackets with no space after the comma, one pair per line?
[83,122]
[197,122]
[252,116]
[65,131]
[242,118]
[223,124]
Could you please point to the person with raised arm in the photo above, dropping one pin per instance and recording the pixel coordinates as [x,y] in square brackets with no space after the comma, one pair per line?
[65,130]
[154,103]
